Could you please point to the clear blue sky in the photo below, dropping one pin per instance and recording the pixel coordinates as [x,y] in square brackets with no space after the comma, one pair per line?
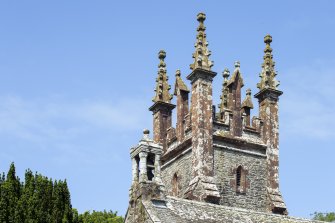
[77,78]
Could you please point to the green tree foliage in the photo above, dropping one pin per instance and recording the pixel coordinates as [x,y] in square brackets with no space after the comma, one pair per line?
[41,200]
[36,200]
[329,217]
[99,217]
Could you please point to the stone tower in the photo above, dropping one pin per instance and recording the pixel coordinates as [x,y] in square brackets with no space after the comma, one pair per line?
[215,160]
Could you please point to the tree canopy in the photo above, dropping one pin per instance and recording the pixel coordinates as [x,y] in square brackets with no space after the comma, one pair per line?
[329,217]
[41,200]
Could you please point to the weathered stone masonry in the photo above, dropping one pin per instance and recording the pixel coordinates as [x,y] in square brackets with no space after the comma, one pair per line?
[213,166]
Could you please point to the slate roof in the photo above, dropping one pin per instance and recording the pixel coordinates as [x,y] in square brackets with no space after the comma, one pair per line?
[178,210]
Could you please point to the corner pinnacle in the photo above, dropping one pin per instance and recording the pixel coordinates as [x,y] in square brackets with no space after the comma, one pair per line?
[162,86]
[201,54]
[268,73]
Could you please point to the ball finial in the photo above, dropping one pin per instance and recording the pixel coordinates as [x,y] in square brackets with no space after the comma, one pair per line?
[267,39]
[201,17]
[146,132]
[162,54]
[225,73]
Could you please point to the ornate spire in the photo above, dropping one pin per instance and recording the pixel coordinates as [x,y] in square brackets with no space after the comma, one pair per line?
[201,54]
[247,103]
[162,86]
[268,73]
[224,96]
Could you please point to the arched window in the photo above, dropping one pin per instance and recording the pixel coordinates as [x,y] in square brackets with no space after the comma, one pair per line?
[175,185]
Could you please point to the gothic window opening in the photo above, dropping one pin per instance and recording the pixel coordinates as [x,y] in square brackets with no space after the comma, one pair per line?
[175,189]
[151,166]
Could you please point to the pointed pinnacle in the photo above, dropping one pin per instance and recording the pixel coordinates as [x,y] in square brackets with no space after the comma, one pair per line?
[201,54]
[268,73]
[162,86]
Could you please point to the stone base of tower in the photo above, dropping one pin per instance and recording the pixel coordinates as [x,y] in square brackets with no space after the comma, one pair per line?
[203,189]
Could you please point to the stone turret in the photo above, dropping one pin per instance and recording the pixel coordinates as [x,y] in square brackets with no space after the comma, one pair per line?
[268,97]
[202,186]
[162,107]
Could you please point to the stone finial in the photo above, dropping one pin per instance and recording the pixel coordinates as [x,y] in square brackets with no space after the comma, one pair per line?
[224,96]
[248,92]
[162,86]
[237,64]
[201,54]
[247,103]
[146,133]
[225,74]
[178,73]
[268,73]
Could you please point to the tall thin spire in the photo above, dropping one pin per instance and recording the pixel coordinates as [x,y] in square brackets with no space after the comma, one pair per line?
[162,86]
[268,73]
[224,97]
[201,54]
